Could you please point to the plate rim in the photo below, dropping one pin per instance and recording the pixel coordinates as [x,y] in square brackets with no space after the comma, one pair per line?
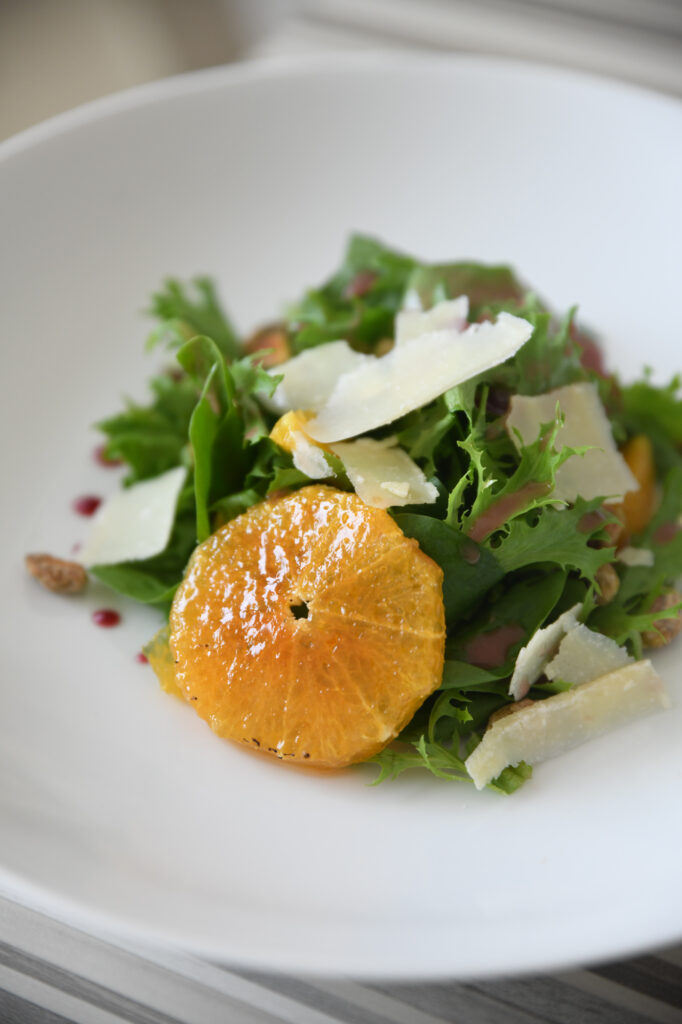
[231,77]
[293,65]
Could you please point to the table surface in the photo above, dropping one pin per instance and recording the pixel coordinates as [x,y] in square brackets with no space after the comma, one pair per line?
[52,972]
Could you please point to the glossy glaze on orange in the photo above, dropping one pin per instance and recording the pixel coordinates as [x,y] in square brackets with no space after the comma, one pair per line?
[336,684]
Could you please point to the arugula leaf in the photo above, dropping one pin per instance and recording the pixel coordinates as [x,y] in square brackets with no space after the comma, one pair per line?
[482,283]
[184,310]
[500,498]
[469,571]
[493,639]
[444,762]
[358,302]
[216,430]
[626,627]
[550,358]
[664,539]
[421,432]
[567,537]
[654,410]
[151,439]
[629,614]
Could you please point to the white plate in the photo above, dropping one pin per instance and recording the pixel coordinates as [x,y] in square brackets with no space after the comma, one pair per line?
[118,807]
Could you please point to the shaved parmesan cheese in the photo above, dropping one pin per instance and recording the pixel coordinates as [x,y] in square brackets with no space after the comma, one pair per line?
[602,471]
[636,556]
[134,523]
[410,375]
[308,457]
[585,655]
[412,300]
[550,727]
[383,474]
[309,378]
[412,323]
[543,645]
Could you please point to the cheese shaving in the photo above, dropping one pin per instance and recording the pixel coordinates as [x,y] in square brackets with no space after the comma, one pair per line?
[584,655]
[383,474]
[543,645]
[413,323]
[600,472]
[412,374]
[636,556]
[134,523]
[309,378]
[550,727]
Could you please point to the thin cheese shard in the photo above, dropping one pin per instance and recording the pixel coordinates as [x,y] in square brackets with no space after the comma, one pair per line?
[601,472]
[636,556]
[547,728]
[134,523]
[584,655]
[383,474]
[411,375]
[413,323]
[308,457]
[310,377]
[542,646]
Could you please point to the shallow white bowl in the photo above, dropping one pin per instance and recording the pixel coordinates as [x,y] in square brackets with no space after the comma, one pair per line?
[118,807]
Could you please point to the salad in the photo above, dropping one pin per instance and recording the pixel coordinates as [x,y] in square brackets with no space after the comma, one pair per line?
[416,521]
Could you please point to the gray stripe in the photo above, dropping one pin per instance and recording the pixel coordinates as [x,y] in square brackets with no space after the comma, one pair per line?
[556,1002]
[14,1010]
[80,988]
[528,1001]
[636,1002]
[649,975]
[317,998]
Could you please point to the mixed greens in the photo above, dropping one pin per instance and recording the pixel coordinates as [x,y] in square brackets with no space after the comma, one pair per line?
[211,412]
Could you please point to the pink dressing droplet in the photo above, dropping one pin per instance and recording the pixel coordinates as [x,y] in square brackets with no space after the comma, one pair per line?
[86,505]
[106,617]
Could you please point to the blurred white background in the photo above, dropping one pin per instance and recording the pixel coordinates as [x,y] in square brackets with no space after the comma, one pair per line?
[55,54]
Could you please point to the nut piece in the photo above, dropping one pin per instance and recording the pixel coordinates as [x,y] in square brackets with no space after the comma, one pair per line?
[272,342]
[56,574]
[608,582]
[508,709]
[664,629]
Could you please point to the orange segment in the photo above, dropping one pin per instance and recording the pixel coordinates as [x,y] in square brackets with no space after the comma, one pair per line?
[310,628]
[639,506]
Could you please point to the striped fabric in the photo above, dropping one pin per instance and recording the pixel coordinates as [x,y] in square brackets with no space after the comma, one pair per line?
[51,973]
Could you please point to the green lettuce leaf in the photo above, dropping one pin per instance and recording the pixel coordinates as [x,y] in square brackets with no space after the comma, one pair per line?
[469,570]
[184,310]
[151,439]
[571,538]
[358,302]
[483,284]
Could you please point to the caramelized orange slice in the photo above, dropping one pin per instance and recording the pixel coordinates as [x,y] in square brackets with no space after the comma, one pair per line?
[310,628]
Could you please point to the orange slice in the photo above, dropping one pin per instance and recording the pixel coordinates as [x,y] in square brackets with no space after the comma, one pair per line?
[310,628]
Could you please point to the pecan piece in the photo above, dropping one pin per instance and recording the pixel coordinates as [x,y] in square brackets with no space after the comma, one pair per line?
[270,344]
[664,630]
[57,574]
[608,581]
